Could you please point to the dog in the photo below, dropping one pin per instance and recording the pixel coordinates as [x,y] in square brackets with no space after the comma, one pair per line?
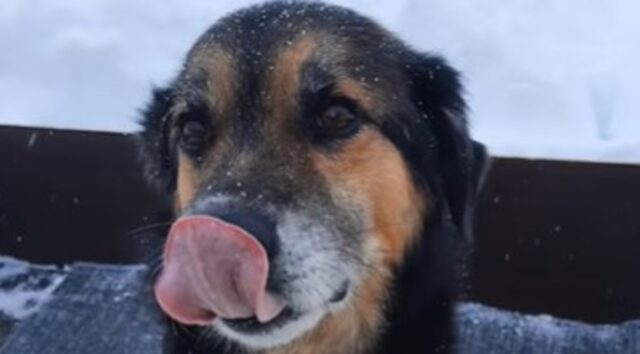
[323,182]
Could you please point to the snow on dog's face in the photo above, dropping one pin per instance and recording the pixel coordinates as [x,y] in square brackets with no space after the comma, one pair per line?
[295,147]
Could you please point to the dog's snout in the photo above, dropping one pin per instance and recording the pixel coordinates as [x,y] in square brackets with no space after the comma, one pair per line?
[259,225]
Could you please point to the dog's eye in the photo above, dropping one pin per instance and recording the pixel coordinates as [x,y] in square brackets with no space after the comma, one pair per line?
[339,120]
[193,135]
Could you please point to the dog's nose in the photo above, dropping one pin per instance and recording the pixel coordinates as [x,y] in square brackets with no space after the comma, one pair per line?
[260,226]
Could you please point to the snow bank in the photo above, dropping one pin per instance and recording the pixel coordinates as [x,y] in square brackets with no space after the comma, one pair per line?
[25,287]
[553,79]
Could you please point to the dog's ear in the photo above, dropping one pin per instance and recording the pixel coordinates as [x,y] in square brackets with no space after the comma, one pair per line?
[155,151]
[460,163]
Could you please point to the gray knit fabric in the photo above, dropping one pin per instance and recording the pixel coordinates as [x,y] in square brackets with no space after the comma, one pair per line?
[107,309]
[486,330]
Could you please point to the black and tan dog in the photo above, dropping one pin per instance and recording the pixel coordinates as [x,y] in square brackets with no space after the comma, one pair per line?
[323,181]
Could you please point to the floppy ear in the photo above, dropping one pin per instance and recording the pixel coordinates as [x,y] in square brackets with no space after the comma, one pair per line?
[155,151]
[455,165]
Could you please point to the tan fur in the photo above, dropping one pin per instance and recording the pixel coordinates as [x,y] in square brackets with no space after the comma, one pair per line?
[187,183]
[358,92]
[284,78]
[351,330]
[218,64]
[220,93]
[371,172]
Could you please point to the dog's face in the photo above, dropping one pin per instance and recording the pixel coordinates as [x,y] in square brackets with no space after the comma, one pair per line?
[305,150]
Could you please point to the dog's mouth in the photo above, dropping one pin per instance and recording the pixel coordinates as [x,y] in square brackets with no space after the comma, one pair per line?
[252,325]
[214,269]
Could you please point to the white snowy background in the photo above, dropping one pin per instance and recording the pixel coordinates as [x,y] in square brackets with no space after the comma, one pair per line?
[545,78]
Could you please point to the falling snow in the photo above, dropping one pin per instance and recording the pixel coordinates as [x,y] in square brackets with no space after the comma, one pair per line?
[542,80]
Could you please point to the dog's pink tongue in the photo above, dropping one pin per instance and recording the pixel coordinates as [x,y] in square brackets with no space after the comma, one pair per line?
[212,268]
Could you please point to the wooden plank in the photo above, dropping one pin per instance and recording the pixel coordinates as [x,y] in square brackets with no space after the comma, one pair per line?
[69,196]
[551,236]
[561,238]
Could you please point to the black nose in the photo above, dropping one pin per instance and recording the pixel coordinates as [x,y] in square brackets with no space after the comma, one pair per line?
[260,226]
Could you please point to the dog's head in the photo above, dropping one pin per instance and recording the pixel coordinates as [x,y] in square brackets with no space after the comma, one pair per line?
[306,150]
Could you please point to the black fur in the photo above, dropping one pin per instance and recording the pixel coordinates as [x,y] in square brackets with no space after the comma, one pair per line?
[450,166]
[429,128]
[158,157]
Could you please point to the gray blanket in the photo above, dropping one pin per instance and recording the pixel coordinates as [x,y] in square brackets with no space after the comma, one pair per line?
[483,329]
[106,309]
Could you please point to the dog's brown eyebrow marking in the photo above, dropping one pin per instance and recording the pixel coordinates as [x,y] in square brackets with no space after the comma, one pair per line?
[365,97]
[221,76]
[284,78]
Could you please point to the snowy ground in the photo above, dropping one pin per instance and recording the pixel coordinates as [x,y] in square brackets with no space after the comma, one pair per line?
[554,79]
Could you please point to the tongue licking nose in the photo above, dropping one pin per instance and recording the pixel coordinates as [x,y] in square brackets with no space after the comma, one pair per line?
[213,268]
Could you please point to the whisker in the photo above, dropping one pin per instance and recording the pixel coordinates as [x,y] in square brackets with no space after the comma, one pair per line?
[141,229]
